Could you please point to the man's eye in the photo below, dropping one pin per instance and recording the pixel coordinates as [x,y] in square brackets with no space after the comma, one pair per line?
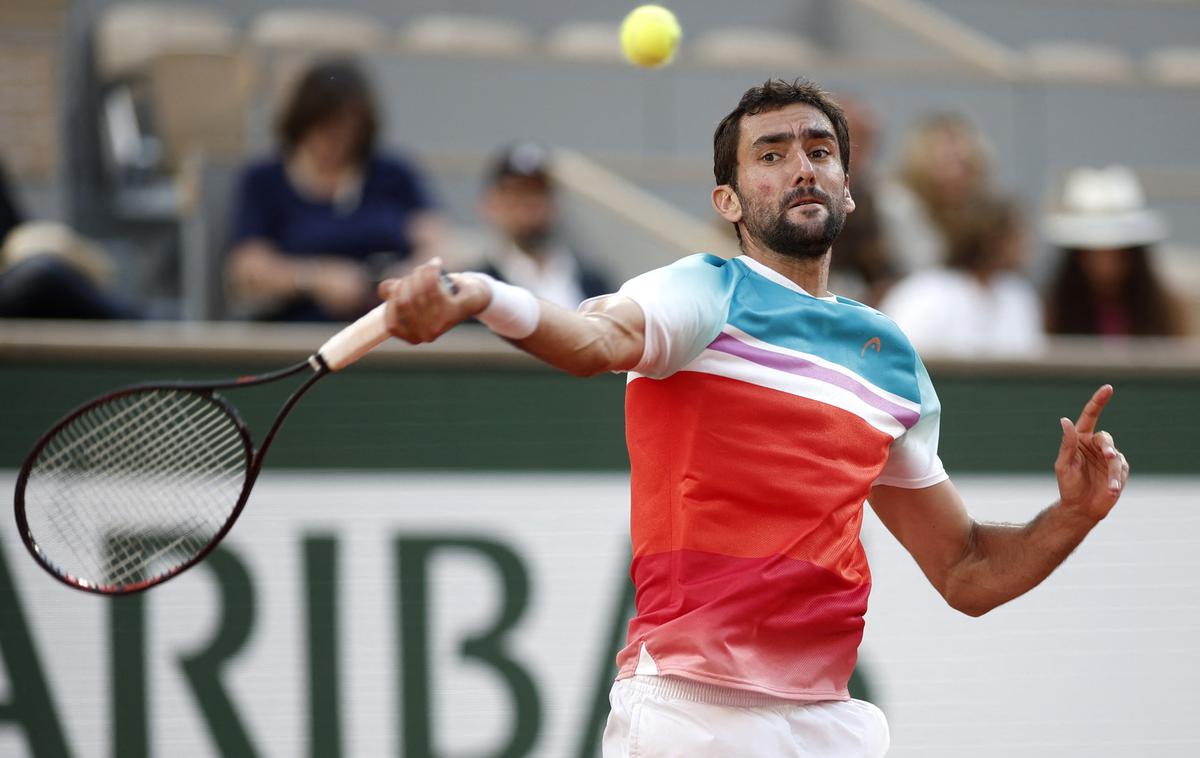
[820,152]
[771,157]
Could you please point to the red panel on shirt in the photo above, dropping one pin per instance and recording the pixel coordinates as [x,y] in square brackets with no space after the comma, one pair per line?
[735,469]
[774,625]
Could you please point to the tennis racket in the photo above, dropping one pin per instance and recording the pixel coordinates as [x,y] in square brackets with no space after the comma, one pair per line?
[137,486]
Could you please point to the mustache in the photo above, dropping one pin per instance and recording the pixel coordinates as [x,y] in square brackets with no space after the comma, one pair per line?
[801,194]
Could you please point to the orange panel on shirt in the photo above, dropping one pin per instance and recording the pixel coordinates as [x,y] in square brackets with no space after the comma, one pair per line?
[684,431]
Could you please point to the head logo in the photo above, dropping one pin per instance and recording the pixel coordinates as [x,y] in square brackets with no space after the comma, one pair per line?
[872,343]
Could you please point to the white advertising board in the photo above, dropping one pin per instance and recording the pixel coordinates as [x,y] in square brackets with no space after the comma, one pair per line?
[472,614]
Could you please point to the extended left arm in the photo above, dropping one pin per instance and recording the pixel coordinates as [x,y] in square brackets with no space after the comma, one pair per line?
[978,566]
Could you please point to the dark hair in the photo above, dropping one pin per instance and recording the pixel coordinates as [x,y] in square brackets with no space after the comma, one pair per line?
[325,91]
[1073,307]
[770,96]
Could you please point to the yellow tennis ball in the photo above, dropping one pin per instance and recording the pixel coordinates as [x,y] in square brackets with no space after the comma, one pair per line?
[649,36]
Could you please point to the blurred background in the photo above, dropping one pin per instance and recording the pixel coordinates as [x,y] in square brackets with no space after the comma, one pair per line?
[186,187]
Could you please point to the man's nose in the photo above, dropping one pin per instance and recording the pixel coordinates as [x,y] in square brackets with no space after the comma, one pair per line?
[802,170]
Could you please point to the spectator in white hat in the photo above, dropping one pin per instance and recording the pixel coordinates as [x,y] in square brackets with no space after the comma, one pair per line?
[1106,283]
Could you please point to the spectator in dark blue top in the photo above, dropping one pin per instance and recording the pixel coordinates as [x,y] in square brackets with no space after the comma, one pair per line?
[315,228]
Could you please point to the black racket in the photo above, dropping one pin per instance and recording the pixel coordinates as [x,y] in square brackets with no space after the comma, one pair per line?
[136,486]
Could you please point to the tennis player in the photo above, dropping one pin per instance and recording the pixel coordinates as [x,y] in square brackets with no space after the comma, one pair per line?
[761,412]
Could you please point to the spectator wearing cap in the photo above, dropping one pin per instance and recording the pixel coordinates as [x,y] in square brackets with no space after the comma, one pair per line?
[1107,283]
[520,207]
[315,228]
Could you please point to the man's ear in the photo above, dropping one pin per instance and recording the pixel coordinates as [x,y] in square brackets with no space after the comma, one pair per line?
[726,203]
[846,196]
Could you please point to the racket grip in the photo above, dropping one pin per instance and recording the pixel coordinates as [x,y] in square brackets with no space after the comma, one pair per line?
[356,340]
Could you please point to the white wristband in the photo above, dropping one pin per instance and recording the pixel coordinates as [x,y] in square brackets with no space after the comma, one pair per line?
[513,312]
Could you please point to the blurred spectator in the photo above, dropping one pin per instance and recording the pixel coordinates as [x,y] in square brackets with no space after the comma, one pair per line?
[1106,283]
[315,228]
[978,303]
[861,267]
[944,172]
[519,205]
[10,214]
[47,271]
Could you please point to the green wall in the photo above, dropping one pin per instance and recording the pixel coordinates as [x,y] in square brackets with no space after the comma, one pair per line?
[393,416]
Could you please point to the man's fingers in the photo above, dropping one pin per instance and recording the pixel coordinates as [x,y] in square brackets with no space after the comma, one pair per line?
[1070,441]
[1091,412]
[1116,474]
[1101,448]
[1105,444]
[424,281]
[1116,462]
[386,288]
[396,307]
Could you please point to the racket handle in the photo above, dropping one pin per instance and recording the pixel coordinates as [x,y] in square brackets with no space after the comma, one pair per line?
[356,340]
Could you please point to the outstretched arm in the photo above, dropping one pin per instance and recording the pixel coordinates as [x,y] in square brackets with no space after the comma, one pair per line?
[607,335]
[978,566]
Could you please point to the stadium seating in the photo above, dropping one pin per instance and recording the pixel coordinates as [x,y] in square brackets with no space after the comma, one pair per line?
[741,46]
[1174,66]
[587,41]
[30,90]
[1073,61]
[164,72]
[465,35]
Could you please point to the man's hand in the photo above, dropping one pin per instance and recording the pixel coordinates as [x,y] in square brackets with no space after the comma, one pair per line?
[421,308]
[1091,471]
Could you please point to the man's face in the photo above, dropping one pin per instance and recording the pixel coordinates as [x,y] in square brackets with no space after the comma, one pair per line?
[793,193]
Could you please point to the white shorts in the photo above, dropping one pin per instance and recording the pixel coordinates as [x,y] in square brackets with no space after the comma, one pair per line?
[669,717]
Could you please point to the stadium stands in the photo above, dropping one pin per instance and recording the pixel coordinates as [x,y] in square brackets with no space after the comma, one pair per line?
[1015,78]
[465,35]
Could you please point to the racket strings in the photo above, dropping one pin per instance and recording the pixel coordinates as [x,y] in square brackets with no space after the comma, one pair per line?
[159,464]
[98,474]
[167,424]
[173,459]
[136,486]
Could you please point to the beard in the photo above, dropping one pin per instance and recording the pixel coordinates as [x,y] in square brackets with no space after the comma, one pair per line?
[796,240]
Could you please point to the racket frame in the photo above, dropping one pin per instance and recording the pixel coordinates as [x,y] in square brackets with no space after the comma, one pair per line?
[254,461]
[339,351]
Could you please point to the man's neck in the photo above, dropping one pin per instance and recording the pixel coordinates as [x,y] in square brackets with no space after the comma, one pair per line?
[812,274]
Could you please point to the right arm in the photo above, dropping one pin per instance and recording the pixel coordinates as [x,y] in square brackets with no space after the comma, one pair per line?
[607,334]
